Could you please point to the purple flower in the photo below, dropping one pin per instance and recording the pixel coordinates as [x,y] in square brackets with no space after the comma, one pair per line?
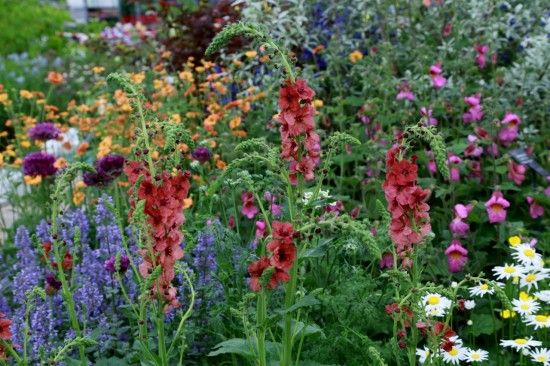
[457,256]
[44,131]
[39,163]
[107,168]
[386,261]
[110,264]
[535,210]
[496,207]
[202,154]
[52,283]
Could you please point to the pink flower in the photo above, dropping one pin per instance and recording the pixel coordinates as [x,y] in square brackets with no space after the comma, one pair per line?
[457,256]
[481,50]
[535,210]
[249,209]
[405,91]
[516,172]
[473,150]
[475,112]
[447,29]
[432,166]
[427,116]
[459,226]
[260,229]
[508,134]
[438,81]
[274,207]
[511,119]
[496,207]
[453,162]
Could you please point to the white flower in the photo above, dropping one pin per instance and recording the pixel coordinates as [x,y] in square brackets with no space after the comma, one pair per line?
[520,344]
[538,321]
[541,355]
[423,354]
[543,295]
[532,277]
[435,304]
[478,355]
[469,304]
[508,271]
[454,284]
[527,255]
[526,304]
[481,290]
[455,354]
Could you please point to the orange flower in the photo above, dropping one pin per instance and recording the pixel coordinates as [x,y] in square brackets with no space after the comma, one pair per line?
[220,164]
[82,148]
[104,147]
[355,56]
[32,181]
[25,94]
[60,163]
[186,76]
[55,78]
[98,69]
[187,202]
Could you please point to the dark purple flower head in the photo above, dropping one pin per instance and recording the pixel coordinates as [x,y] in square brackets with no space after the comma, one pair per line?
[107,168]
[110,264]
[39,163]
[53,282]
[202,154]
[44,131]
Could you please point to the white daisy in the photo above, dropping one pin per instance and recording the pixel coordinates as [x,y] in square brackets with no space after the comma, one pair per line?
[455,354]
[538,321]
[525,305]
[520,344]
[423,354]
[526,255]
[541,355]
[543,295]
[508,271]
[481,289]
[435,304]
[477,355]
[469,304]
[532,277]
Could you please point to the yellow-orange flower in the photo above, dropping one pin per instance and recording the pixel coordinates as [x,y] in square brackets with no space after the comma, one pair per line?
[98,69]
[235,122]
[78,197]
[251,54]
[355,56]
[104,147]
[31,181]
[318,103]
[176,118]
[25,94]
[137,78]
[4,98]
[186,76]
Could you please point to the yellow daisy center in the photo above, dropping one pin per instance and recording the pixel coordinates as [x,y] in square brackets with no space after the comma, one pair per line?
[542,358]
[484,287]
[525,306]
[510,269]
[541,318]
[475,356]
[531,277]
[529,253]
[453,352]
[433,300]
[521,341]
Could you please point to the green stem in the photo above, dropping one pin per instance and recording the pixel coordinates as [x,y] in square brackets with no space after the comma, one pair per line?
[260,324]
[161,336]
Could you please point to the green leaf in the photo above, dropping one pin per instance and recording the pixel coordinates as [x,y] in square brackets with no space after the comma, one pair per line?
[483,324]
[113,361]
[354,101]
[238,346]
[305,301]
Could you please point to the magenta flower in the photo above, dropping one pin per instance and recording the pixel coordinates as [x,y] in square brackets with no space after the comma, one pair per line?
[535,210]
[511,119]
[509,132]
[249,209]
[516,172]
[457,256]
[438,81]
[405,91]
[496,207]
[39,163]
[260,229]
[475,112]
[459,226]
[386,261]
[472,149]
[274,207]
[453,162]
[426,114]
[481,50]
[447,29]
[432,166]
[44,131]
